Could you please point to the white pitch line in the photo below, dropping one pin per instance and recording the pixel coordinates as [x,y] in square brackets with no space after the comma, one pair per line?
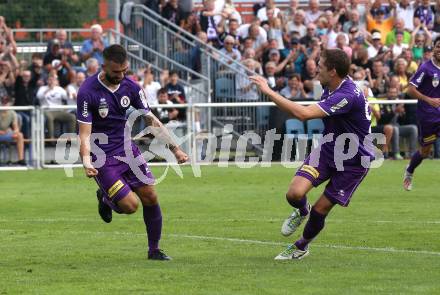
[201,220]
[256,242]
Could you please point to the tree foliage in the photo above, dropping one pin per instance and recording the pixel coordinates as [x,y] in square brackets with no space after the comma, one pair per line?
[49,13]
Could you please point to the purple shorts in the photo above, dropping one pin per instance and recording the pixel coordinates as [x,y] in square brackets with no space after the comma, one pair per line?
[428,132]
[117,179]
[342,184]
[7,137]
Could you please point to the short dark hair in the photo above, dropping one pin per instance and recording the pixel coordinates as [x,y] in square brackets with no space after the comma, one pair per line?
[162,91]
[115,53]
[336,59]
[436,40]
[174,72]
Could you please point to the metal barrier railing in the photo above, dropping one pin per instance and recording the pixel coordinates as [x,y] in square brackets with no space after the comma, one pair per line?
[31,150]
[193,137]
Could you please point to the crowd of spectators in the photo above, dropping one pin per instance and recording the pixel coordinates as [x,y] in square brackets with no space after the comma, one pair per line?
[53,78]
[386,41]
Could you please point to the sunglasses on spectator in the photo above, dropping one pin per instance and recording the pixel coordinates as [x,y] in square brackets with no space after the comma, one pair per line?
[353,31]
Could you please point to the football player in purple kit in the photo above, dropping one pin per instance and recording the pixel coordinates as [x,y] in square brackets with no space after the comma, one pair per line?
[102,102]
[424,86]
[344,110]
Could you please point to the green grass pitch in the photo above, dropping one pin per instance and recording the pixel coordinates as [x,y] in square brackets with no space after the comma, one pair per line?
[223,231]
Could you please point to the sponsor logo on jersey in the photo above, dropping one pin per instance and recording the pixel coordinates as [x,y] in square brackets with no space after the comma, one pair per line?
[103,108]
[420,78]
[435,80]
[125,101]
[85,112]
[339,105]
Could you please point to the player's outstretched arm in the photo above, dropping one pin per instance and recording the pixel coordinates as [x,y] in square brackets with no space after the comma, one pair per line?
[298,111]
[414,93]
[161,132]
[85,131]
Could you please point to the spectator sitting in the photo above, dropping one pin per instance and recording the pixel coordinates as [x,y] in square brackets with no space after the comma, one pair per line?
[289,13]
[354,22]
[57,59]
[311,33]
[246,90]
[427,53]
[262,12]
[408,131]
[53,95]
[172,12]
[150,86]
[232,31]
[36,68]
[25,90]
[378,79]
[75,83]
[92,67]
[418,42]
[309,75]
[175,91]
[398,46]
[208,23]
[94,46]
[341,43]
[61,37]
[230,51]
[380,24]
[399,28]
[297,24]
[424,15]
[9,131]
[313,13]
[294,89]
[166,114]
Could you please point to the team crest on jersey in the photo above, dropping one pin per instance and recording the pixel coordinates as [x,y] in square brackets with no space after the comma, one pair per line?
[435,80]
[125,101]
[103,108]
[85,111]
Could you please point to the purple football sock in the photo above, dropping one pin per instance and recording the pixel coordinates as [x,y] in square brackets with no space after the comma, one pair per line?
[416,159]
[313,226]
[299,204]
[153,223]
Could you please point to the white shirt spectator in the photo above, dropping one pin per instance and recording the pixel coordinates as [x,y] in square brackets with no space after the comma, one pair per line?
[262,13]
[301,29]
[246,90]
[311,17]
[243,32]
[407,14]
[397,49]
[51,97]
[151,92]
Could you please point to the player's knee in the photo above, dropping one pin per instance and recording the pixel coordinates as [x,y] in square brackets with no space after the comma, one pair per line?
[131,208]
[150,199]
[294,194]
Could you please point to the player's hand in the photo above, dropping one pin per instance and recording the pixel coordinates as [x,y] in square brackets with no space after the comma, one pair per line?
[90,171]
[261,83]
[434,102]
[180,155]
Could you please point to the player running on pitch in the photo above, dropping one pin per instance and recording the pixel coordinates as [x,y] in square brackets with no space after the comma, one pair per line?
[345,110]
[103,100]
[424,86]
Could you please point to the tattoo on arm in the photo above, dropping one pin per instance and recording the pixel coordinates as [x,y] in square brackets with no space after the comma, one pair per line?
[160,131]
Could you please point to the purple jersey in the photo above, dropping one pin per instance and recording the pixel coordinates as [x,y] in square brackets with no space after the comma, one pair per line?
[347,111]
[106,110]
[426,80]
